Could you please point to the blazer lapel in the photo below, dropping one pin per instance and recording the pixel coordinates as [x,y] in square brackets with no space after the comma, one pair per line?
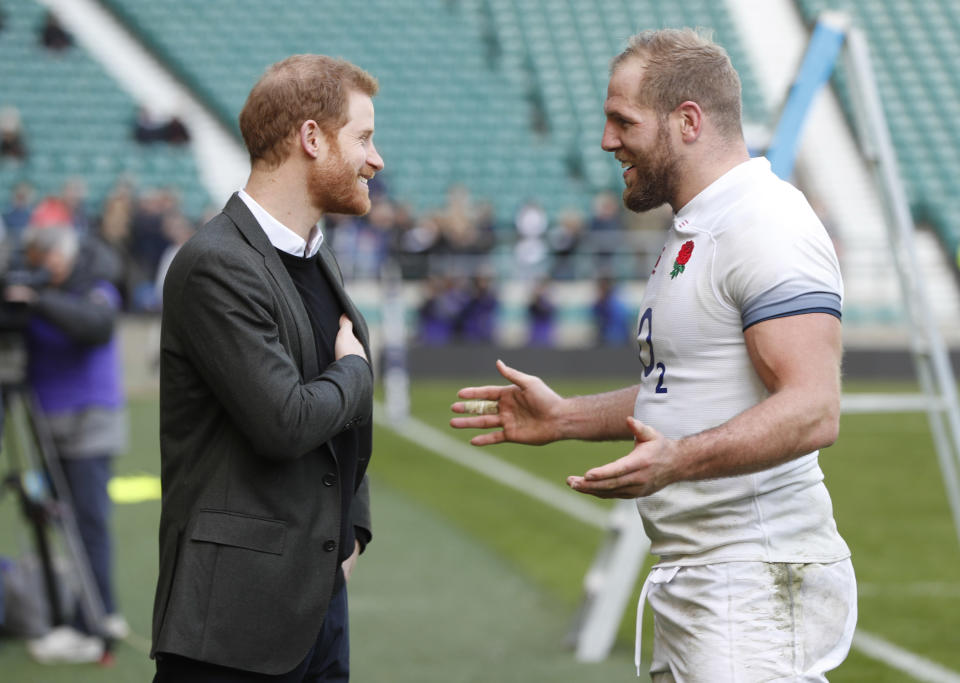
[254,234]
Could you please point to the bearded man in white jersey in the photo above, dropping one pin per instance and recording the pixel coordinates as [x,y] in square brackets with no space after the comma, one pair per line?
[739,386]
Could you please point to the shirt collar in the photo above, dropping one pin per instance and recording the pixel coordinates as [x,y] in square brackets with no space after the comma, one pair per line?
[725,187]
[280,236]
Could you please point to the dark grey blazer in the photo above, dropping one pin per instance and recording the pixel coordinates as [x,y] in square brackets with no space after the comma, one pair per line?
[250,518]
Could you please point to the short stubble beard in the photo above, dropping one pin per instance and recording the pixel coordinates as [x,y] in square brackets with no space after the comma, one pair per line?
[654,182]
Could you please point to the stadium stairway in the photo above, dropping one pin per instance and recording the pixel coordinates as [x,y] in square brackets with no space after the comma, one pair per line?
[77,122]
[221,162]
[841,187]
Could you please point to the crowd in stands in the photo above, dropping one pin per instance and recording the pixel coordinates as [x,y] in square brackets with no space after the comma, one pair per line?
[140,230]
[451,250]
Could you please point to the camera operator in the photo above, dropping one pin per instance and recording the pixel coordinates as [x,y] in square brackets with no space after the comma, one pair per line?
[73,366]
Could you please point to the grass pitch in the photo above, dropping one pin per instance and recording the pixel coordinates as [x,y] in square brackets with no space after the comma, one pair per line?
[469,581]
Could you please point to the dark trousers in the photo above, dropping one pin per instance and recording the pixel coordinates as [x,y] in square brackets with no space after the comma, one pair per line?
[328,661]
[87,479]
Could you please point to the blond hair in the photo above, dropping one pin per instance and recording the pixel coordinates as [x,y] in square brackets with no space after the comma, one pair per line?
[681,65]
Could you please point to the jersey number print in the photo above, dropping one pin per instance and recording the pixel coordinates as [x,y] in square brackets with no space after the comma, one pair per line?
[647,357]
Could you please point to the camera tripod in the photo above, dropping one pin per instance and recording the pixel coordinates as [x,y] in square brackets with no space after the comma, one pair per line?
[35,476]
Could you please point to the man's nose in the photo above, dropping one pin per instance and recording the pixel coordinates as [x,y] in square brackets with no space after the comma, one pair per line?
[374,159]
[609,142]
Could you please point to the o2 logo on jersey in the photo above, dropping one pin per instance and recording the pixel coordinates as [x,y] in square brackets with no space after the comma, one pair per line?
[647,358]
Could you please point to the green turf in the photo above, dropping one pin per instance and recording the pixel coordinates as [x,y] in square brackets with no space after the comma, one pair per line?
[465,575]
[448,610]
[882,473]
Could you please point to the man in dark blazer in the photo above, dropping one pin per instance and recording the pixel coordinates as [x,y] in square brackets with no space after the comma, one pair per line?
[266,399]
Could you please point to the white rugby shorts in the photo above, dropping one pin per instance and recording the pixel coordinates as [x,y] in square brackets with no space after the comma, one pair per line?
[746,622]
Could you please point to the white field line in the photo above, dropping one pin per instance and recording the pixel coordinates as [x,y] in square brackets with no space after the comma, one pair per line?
[570,503]
[915,666]
[565,500]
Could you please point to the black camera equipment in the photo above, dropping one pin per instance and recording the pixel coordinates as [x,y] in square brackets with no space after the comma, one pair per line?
[34,474]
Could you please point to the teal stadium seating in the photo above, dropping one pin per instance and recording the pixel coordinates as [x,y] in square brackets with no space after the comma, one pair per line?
[915,49]
[462,81]
[77,122]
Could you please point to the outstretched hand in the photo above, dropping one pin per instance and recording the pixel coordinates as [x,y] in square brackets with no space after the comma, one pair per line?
[646,469]
[527,410]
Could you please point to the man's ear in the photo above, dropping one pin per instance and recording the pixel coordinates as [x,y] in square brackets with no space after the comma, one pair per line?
[312,140]
[690,118]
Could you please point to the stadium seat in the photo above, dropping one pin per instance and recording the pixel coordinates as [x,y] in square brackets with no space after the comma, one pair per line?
[73,92]
[915,48]
[480,109]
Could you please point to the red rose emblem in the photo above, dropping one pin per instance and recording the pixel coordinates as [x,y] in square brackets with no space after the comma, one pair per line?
[681,261]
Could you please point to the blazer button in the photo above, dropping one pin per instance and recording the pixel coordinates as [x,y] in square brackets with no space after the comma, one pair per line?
[329,546]
[329,479]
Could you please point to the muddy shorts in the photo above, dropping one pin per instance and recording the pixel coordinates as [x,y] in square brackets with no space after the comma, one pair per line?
[745,622]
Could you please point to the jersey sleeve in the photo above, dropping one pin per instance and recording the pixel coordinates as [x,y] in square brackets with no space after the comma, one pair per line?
[782,266]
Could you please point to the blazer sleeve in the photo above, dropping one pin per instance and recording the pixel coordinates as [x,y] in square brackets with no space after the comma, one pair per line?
[360,513]
[224,311]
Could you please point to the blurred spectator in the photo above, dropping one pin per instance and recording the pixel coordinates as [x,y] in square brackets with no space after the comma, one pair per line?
[74,197]
[441,310]
[362,243]
[51,211]
[113,229]
[114,224]
[477,319]
[415,240]
[67,208]
[485,218]
[12,145]
[610,314]
[177,133]
[17,213]
[3,18]
[656,220]
[565,239]
[606,230]
[459,223]
[542,315]
[147,244]
[74,370]
[605,212]
[177,230]
[53,35]
[149,128]
[531,224]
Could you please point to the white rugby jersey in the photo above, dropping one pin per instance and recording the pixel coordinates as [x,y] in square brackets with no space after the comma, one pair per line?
[746,249]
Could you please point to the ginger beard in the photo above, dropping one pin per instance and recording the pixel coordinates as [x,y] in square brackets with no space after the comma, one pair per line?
[334,185]
[653,176]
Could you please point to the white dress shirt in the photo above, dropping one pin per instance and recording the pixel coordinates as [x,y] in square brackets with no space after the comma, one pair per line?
[280,236]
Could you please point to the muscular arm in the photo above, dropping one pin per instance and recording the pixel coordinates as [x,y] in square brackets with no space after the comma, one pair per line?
[531,412]
[798,360]
[599,417]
